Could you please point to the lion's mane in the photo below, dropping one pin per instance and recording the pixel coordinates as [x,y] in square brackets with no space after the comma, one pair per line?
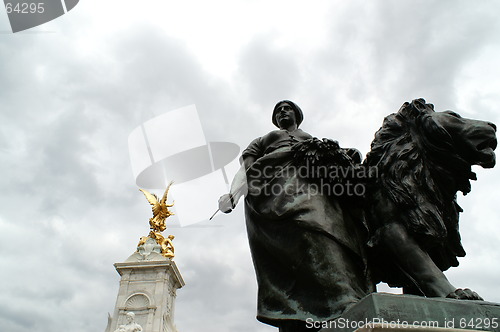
[419,171]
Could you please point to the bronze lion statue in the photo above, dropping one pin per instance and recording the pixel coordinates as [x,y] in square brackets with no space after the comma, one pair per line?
[419,160]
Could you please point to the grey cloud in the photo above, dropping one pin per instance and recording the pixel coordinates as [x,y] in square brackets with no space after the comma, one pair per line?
[404,50]
[421,51]
[64,170]
[270,73]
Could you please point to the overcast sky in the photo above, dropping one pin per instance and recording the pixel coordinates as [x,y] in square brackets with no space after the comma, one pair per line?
[72,91]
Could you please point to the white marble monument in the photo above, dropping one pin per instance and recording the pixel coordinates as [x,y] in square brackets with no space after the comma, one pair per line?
[148,286]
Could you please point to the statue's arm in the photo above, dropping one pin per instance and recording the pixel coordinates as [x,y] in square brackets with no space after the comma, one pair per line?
[239,187]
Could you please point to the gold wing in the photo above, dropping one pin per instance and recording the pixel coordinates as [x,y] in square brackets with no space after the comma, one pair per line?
[152,198]
[164,198]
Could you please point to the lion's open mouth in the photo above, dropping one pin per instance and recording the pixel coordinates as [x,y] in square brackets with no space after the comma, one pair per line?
[488,144]
[486,149]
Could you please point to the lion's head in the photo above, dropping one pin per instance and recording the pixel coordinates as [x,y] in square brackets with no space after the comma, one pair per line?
[423,158]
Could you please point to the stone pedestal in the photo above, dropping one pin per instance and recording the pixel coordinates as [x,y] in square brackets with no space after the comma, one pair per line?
[148,288]
[380,327]
[391,312]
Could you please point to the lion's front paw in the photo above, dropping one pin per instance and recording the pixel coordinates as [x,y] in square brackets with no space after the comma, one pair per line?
[464,294]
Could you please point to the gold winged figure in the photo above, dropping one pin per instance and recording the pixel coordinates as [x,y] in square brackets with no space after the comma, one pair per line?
[160,210]
[157,222]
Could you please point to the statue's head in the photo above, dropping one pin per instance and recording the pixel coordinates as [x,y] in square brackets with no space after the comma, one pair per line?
[130,317]
[285,112]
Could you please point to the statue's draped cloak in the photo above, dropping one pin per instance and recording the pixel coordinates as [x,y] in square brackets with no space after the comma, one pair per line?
[306,247]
